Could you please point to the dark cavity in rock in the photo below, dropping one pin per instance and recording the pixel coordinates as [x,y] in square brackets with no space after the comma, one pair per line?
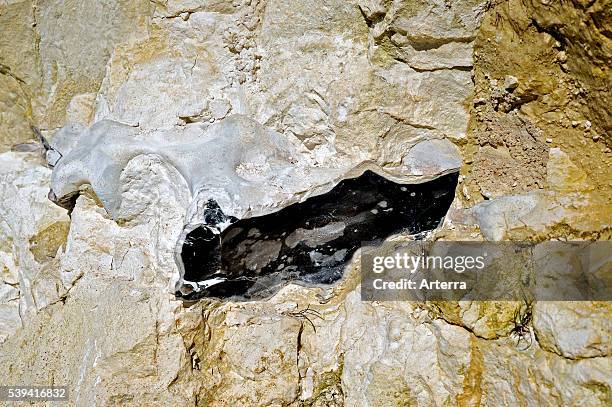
[308,242]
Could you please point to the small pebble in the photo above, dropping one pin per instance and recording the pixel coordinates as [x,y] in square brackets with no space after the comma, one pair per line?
[562,57]
[510,82]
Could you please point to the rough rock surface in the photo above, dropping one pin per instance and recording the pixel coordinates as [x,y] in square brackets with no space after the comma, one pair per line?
[245,168]
[518,88]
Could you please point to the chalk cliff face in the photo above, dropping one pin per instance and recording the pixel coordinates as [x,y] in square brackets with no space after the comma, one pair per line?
[515,91]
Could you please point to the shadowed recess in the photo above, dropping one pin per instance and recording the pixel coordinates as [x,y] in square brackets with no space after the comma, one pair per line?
[308,242]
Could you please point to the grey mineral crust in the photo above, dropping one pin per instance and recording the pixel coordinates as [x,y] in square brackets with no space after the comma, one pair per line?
[247,169]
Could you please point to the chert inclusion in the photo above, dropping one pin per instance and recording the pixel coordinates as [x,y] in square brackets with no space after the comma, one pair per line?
[308,242]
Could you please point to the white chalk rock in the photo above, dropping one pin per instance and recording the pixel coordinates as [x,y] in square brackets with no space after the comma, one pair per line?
[246,169]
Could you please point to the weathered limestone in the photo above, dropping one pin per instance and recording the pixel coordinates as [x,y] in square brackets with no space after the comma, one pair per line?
[55,50]
[32,231]
[156,351]
[93,29]
[19,72]
[15,112]
[535,167]
[565,328]
[512,91]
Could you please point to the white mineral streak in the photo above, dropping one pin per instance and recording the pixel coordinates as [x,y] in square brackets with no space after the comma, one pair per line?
[248,170]
[163,104]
